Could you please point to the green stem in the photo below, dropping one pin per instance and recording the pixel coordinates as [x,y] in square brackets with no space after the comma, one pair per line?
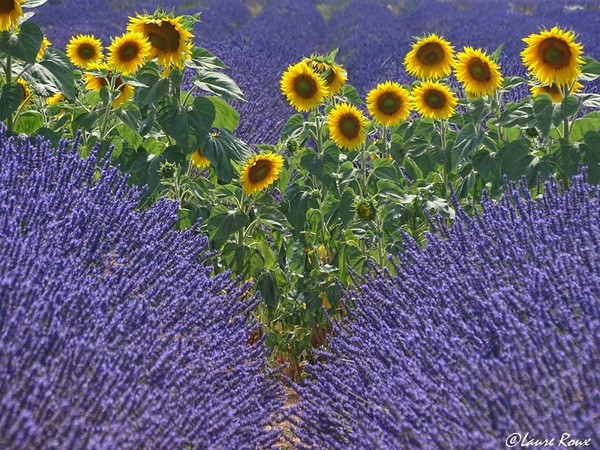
[189,94]
[363,168]
[443,137]
[108,108]
[319,130]
[9,120]
[386,151]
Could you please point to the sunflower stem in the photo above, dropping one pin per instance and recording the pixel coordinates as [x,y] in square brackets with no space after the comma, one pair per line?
[447,161]
[363,167]
[108,108]
[9,119]
[386,152]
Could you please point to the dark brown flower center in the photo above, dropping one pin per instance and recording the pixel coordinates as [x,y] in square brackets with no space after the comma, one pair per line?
[129,52]
[480,70]
[86,51]
[163,37]
[259,171]
[430,54]
[389,103]
[555,53]
[435,99]
[349,126]
[7,6]
[305,86]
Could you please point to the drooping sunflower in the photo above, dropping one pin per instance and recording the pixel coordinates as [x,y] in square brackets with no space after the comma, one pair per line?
[45,44]
[347,126]
[260,171]
[434,100]
[303,88]
[335,76]
[553,56]
[199,160]
[170,41]
[84,50]
[431,57]
[127,53]
[389,103]
[55,99]
[25,90]
[95,81]
[10,12]
[554,91]
[477,72]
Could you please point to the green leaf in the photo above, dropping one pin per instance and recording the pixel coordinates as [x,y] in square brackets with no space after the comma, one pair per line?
[466,143]
[223,223]
[33,3]
[590,154]
[221,149]
[383,169]
[589,122]
[218,83]
[29,122]
[24,45]
[351,95]
[202,59]
[173,119]
[10,99]
[294,123]
[515,158]
[201,117]
[567,157]
[543,109]
[226,115]
[518,115]
[568,107]
[590,70]
[243,260]
[156,88]
[53,74]
[130,136]
[171,154]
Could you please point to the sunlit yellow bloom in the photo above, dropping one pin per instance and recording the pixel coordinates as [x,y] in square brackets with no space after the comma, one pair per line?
[431,57]
[303,88]
[347,126]
[335,76]
[554,91]
[389,103]
[553,56]
[95,82]
[260,172]
[45,44]
[476,71]
[84,50]
[25,90]
[10,12]
[55,99]
[434,100]
[170,41]
[127,53]
[199,160]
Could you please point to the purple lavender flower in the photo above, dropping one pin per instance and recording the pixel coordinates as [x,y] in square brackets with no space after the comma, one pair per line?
[493,331]
[113,334]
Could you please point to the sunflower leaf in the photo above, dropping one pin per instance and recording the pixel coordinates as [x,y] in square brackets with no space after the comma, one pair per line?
[33,3]
[226,115]
[24,45]
[11,96]
[218,83]
[543,110]
[466,144]
[53,74]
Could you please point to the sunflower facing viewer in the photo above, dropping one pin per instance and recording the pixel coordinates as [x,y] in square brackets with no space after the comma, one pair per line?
[260,172]
[434,100]
[347,126]
[476,71]
[303,88]
[389,103]
[553,56]
[10,12]
[84,50]
[431,57]
[170,41]
[127,53]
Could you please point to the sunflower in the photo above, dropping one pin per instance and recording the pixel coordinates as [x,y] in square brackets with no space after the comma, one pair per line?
[389,103]
[127,53]
[170,41]
[431,57]
[25,90]
[260,172]
[347,126]
[335,76]
[554,91]
[95,82]
[45,44]
[434,100]
[55,99]
[199,160]
[84,50]
[476,71]
[10,12]
[553,56]
[303,88]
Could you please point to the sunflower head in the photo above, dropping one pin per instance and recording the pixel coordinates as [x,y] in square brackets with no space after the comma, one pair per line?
[45,44]
[431,57]
[553,56]
[389,103]
[347,126]
[334,75]
[365,209]
[10,12]
[170,40]
[434,100]
[554,91]
[100,76]
[25,90]
[199,160]
[477,72]
[260,171]
[55,99]
[127,53]
[84,50]
[302,87]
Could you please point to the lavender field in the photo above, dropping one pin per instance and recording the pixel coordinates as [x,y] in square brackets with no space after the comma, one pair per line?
[310,224]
